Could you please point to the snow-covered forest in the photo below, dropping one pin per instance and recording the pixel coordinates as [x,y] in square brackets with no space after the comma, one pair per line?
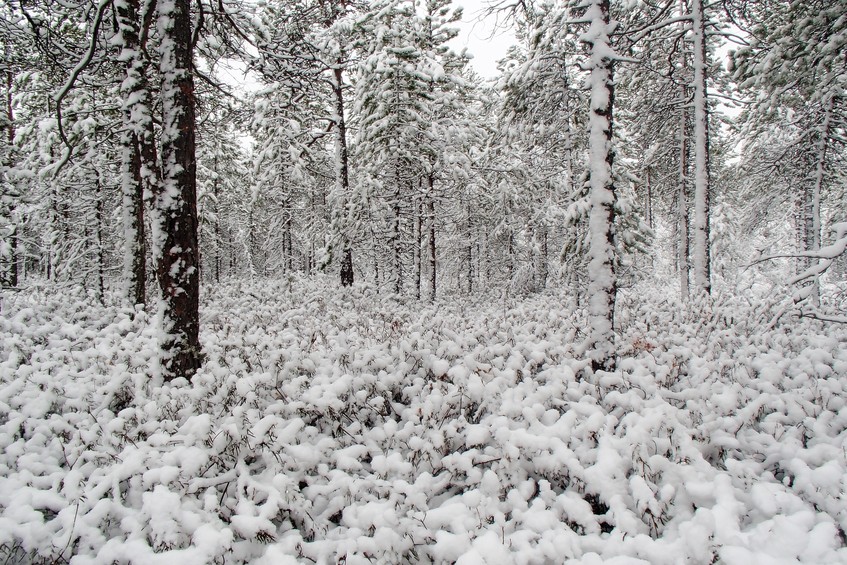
[289,282]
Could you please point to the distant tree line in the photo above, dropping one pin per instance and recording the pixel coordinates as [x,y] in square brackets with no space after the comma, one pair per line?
[621,141]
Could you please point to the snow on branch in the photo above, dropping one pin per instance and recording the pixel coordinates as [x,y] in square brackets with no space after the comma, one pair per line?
[828,253]
[77,70]
[825,255]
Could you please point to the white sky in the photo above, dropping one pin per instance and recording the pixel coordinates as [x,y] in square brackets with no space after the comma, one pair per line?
[479,36]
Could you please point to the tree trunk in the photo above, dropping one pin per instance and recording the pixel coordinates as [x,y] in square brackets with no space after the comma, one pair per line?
[12,277]
[543,268]
[136,120]
[814,238]
[470,254]
[175,233]
[342,174]
[602,281]
[216,227]
[702,248]
[287,242]
[395,243]
[52,234]
[132,192]
[430,209]
[683,248]
[251,242]
[648,203]
[101,260]
[417,259]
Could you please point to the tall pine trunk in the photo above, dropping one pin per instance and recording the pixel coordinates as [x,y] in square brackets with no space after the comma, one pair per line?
[469,254]
[216,225]
[544,255]
[99,205]
[702,268]
[417,254]
[12,276]
[395,242]
[683,247]
[430,212]
[602,280]
[175,229]
[342,174]
[813,239]
[136,121]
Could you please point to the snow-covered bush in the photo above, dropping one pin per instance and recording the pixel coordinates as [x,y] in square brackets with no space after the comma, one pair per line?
[333,425]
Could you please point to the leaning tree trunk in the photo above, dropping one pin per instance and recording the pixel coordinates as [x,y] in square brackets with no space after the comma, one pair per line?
[175,229]
[702,270]
[602,281]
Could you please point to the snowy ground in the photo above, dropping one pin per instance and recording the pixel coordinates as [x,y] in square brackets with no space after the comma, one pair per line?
[334,427]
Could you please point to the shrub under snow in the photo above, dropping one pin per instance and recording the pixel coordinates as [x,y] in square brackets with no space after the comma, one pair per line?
[333,425]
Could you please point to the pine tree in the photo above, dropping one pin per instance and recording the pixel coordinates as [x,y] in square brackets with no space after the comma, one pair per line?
[794,70]
[175,244]
[139,168]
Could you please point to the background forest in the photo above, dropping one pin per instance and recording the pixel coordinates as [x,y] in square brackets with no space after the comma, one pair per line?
[289,282]
[725,130]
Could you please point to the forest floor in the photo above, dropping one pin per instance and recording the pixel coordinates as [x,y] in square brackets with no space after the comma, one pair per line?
[342,426]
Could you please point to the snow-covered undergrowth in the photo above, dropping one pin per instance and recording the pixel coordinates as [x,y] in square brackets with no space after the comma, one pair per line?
[337,426]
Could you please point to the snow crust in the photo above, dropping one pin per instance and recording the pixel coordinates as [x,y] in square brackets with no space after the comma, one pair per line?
[331,423]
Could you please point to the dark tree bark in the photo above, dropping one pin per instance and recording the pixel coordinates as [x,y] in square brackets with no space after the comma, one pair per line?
[602,278]
[12,277]
[543,268]
[342,172]
[178,265]
[469,254]
[101,258]
[136,117]
[684,226]
[395,242]
[417,259]
[430,212]
[216,226]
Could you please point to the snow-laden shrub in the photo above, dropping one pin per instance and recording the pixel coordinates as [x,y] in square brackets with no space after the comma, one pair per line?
[333,424]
